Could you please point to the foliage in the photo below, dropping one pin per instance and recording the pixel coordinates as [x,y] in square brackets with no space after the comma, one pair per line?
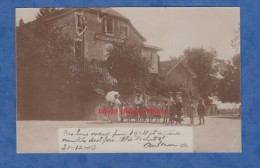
[50,77]
[131,70]
[97,78]
[228,90]
[205,64]
[235,43]
[44,49]
[45,11]
[21,22]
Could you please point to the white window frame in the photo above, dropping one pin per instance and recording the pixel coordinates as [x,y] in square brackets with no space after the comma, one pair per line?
[113,26]
[77,19]
[127,33]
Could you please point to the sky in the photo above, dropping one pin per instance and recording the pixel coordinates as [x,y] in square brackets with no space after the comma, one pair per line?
[175,29]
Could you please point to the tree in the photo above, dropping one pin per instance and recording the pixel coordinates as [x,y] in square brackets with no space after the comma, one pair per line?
[229,85]
[235,43]
[131,70]
[21,22]
[50,78]
[228,90]
[45,11]
[205,64]
[46,70]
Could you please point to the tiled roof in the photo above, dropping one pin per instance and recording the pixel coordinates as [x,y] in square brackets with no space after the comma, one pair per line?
[58,13]
[152,47]
[64,11]
[165,67]
[111,11]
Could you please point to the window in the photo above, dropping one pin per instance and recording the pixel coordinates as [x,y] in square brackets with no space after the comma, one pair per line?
[80,23]
[151,61]
[124,31]
[109,26]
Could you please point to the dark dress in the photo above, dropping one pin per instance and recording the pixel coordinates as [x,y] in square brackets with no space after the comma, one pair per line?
[172,113]
[179,107]
[172,110]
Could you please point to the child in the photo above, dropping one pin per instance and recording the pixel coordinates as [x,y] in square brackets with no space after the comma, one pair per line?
[122,111]
[165,111]
[151,108]
[158,108]
[191,111]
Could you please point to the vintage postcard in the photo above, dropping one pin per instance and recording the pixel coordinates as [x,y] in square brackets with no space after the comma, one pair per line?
[128,80]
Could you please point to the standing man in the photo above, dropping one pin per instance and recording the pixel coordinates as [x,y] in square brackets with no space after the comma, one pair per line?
[172,112]
[179,110]
[139,105]
[201,111]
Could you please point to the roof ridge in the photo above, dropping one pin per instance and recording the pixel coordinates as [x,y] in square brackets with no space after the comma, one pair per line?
[65,11]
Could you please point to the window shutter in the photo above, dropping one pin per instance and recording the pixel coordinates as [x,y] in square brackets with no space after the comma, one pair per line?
[105,26]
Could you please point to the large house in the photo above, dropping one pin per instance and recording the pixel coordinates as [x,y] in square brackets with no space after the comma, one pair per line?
[176,72]
[95,29]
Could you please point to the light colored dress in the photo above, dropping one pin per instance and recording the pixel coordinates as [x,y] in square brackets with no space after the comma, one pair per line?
[138,101]
[138,105]
[116,106]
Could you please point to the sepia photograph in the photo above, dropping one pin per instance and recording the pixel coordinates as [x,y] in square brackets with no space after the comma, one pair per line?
[128,80]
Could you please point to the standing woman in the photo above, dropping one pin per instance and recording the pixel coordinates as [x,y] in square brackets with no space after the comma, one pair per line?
[116,105]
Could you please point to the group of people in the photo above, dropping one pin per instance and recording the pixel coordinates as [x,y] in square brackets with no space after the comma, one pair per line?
[174,110]
[192,110]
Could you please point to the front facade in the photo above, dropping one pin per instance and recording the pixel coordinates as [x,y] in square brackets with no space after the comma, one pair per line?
[95,29]
[177,73]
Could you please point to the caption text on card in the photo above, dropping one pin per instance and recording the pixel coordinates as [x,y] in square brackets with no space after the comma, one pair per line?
[116,140]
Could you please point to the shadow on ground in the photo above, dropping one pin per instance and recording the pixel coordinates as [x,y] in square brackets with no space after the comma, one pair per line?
[235,117]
